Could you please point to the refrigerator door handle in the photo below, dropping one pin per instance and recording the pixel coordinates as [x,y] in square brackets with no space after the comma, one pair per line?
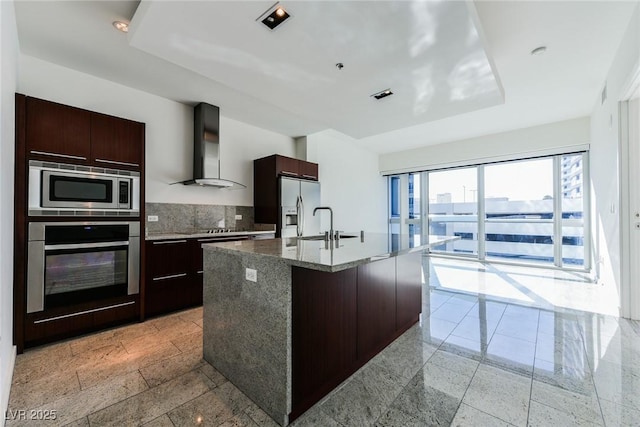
[302,215]
[298,233]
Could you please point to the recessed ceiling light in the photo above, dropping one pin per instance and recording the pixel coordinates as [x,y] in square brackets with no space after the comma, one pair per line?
[274,16]
[121,26]
[382,94]
[539,50]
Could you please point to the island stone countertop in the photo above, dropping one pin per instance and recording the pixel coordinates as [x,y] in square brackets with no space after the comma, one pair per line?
[249,308]
[331,256]
[169,236]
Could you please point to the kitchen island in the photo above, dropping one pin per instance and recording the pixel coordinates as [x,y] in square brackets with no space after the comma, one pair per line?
[287,320]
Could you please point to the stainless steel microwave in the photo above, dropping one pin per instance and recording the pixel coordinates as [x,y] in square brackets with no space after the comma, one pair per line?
[74,190]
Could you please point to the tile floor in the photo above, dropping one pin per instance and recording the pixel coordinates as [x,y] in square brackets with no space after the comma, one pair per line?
[470,362]
[531,286]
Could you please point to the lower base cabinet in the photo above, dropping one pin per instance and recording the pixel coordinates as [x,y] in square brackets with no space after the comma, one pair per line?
[376,306]
[60,323]
[171,281]
[174,275]
[324,323]
[341,320]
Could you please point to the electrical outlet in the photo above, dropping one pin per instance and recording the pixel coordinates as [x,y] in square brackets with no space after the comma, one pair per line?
[152,218]
[238,217]
[251,275]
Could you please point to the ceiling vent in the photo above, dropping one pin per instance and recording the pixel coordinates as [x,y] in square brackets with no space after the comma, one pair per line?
[382,94]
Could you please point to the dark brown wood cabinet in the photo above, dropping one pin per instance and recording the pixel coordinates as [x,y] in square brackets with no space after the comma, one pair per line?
[341,320]
[115,142]
[56,324]
[68,134]
[57,132]
[287,166]
[308,170]
[324,331]
[277,165]
[408,289]
[170,281]
[376,306]
[266,171]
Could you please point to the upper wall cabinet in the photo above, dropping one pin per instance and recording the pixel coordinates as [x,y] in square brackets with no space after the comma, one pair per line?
[115,141]
[287,166]
[277,165]
[308,170]
[57,131]
[72,135]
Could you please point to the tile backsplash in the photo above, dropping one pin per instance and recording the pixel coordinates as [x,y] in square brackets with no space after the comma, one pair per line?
[183,218]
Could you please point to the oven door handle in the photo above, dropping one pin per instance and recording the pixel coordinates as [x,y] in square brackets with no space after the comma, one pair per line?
[84,245]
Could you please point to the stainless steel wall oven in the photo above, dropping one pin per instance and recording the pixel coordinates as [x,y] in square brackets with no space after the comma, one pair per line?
[71,263]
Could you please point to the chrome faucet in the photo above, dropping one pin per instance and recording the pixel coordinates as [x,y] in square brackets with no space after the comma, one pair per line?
[331,218]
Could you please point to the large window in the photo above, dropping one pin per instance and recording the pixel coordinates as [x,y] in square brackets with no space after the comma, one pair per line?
[525,211]
[518,200]
[453,210]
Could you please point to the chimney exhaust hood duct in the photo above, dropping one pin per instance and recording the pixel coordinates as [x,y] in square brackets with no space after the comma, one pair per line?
[206,149]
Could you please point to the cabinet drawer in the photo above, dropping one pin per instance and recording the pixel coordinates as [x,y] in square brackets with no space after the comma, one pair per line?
[171,293]
[167,258]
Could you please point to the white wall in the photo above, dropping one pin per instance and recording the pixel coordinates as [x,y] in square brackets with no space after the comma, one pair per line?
[605,163]
[350,182]
[552,138]
[169,132]
[8,76]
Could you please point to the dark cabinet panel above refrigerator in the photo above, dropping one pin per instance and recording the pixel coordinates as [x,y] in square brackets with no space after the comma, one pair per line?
[266,172]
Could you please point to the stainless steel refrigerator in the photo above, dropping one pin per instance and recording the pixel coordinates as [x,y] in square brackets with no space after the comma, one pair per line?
[298,199]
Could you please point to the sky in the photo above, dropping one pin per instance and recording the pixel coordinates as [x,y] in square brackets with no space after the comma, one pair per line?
[525,180]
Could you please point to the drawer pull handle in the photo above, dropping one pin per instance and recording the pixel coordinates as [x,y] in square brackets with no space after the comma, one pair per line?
[288,173]
[171,276]
[79,313]
[310,176]
[224,239]
[169,242]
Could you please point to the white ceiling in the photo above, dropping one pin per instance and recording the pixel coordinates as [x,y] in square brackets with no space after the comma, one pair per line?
[428,53]
[448,63]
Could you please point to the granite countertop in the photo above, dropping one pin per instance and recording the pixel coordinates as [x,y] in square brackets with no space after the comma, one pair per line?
[196,235]
[320,255]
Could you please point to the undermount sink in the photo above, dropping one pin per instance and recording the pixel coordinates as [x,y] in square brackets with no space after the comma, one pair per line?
[321,237]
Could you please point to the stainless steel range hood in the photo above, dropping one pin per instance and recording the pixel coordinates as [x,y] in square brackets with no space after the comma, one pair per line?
[206,149]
